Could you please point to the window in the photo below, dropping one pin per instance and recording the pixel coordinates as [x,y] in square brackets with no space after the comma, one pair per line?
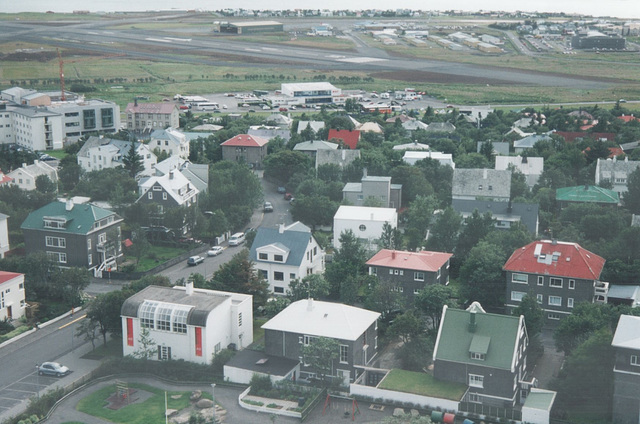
[519,278]
[476,380]
[476,355]
[517,296]
[279,290]
[55,242]
[344,354]
[102,238]
[396,271]
[240,319]
[555,300]
[263,256]
[362,227]
[90,259]
[265,273]
[150,195]
[634,360]
[390,272]
[89,117]
[570,302]
[278,276]
[307,340]
[539,298]
[58,257]
[540,280]
[21,286]
[292,276]
[106,115]
[555,282]
[416,291]
[164,196]
[474,398]
[180,320]
[164,318]
[217,348]
[147,314]
[373,270]
[88,244]
[278,258]
[553,316]
[572,284]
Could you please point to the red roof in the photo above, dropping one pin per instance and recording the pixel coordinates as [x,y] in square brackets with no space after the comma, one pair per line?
[245,140]
[4,178]
[615,151]
[571,136]
[628,118]
[164,108]
[563,259]
[348,137]
[419,261]
[6,276]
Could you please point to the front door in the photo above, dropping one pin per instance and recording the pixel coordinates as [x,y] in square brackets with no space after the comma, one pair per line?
[9,314]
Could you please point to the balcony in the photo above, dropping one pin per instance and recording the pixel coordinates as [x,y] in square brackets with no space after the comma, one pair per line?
[600,291]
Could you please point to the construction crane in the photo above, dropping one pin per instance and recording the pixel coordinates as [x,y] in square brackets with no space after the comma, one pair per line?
[62,97]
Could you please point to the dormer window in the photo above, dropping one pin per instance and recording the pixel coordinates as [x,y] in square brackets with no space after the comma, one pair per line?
[263,256]
[54,222]
[477,356]
[278,258]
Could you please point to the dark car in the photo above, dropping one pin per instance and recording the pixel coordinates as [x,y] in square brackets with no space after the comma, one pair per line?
[282,190]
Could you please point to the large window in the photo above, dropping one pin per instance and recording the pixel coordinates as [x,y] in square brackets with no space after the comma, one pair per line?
[555,300]
[163,319]
[55,242]
[555,282]
[58,257]
[278,258]
[180,320]
[344,354]
[278,276]
[147,314]
[517,296]
[476,380]
[89,117]
[107,117]
[418,276]
[519,278]
[263,256]
[570,302]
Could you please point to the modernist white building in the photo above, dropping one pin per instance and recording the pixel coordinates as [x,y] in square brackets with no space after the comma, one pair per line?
[286,253]
[82,117]
[187,323]
[365,222]
[12,300]
[36,128]
[311,93]
[99,153]
[25,176]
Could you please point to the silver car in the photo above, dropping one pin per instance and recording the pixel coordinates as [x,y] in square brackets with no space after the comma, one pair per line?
[52,368]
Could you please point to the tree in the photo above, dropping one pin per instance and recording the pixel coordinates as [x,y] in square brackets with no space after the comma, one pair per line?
[533,314]
[45,185]
[69,283]
[314,210]
[132,161]
[320,354]
[418,220]
[104,311]
[311,286]
[586,319]
[147,347]
[632,196]
[391,238]
[481,276]
[348,261]
[88,330]
[140,244]
[476,227]
[407,326]
[444,234]
[431,300]
[283,165]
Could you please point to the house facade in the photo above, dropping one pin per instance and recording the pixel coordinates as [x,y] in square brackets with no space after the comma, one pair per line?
[487,352]
[80,235]
[4,235]
[99,153]
[284,254]
[615,172]
[186,323]
[559,274]
[365,222]
[245,148]
[170,141]
[626,371]
[146,117]
[83,117]
[372,188]
[25,176]
[302,322]
[12,296]
[409,272]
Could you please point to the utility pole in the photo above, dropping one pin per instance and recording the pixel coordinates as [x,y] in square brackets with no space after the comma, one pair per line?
[63,97]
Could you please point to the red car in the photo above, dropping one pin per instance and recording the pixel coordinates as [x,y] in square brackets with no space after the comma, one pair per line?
[283,109]
[288,196]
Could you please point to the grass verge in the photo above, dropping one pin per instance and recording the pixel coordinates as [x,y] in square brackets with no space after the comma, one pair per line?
[420,383]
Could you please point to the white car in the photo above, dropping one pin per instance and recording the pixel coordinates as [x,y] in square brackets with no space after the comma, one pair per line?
[265,107]
[215,251]
[224,107]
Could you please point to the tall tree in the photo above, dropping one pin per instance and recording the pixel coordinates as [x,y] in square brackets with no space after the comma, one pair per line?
[132,161]
[348,261]
[444,234]
[533,314]
[431,300]
[632,196]
[313,286]
[418,220]
[481,276]
[320,355]
[45,185]
[391,238]
[475,228]
[408,326]
[104,311]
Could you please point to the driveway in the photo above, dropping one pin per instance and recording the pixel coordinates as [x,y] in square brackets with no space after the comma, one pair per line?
[550,362]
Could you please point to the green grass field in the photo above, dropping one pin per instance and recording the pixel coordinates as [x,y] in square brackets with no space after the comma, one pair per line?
[156,255]
[420,383]
[150,411]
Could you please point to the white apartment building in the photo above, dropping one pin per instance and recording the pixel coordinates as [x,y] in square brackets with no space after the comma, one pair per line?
[12,298]
[100,153]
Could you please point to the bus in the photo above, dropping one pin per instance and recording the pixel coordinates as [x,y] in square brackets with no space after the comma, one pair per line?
[207,106]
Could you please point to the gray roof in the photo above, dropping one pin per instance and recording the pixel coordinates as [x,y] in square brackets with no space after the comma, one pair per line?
[203,302]
[340,157]
[123,146]
[530,141]
[481,183]
[315,145]
[499,147]
[352,187]
[626,166]
[617,291]
[627,333]
[527,213]
[270,132]
[441,127]
[295,238]
[315,125]
[197,174]
[260,362]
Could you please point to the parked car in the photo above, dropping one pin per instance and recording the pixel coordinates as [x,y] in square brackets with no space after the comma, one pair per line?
[52,368]
[215,251]
[236,239]
[195,260]
[288,196]
[282,190]
[283,109]
[265,107]
[268,207]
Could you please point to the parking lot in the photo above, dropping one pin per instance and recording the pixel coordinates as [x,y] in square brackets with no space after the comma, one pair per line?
[24,388]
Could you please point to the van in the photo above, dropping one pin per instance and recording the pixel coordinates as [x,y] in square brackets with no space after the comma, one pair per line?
[236,239]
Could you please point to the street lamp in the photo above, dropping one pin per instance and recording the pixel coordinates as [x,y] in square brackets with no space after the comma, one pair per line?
[213,396]
[38,380]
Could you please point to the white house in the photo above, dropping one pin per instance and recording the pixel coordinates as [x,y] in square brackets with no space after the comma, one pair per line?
[12,300]
[99,153]
[444,158]
[169,190]
[170,141]
[187,323]
[531,167]
[615,172]
[25,176]
[4,235]
[286,253]
[365,222]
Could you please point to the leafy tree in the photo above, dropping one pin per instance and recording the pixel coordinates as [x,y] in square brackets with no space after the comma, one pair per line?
[348,261]
[88,330]
[444,234]
[632,196]
[45,185]
[414,183]
[311,286]
[585,319]
[391,238]
[147,347]
[239,276]
[283,165]
[408,326]
[314,210]
[104,311]
[101,185]
[132,161]
[275,305]
[533,314]
[431,300]
[69,283]
[415,355]
[320,355]
[481,276]
[140,244]
[418,220]
[476,227]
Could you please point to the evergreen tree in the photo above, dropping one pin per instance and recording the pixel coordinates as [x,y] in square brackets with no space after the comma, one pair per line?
[133,161]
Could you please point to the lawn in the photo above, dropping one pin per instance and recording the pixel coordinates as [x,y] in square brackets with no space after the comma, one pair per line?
[155,256]
[420,383]
[58,154]
[150,411]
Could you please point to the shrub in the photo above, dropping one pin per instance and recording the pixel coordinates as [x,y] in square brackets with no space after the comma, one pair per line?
[220,359]
[253,402]
[273,405]
[261,385]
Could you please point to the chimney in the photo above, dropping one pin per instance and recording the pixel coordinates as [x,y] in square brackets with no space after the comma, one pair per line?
[364,172]
[135,102]
[171,174]
[68,205]
[393,254]
[554,242]
[310,304]
[509,207]
[344,153]
[484,173]
[24,165]
[281,228]
[189,287]
[524,159]
[472,322]
[36,161]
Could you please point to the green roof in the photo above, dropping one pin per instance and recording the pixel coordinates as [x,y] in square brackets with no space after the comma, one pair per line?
[587,194]
[495,337]
[79,220]
[540,399]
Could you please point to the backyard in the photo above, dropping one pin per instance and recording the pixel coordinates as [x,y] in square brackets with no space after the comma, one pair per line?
[421,383]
